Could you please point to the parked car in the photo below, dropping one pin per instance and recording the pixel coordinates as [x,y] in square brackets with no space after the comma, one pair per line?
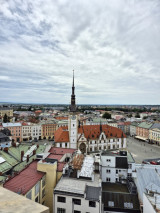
[153,162]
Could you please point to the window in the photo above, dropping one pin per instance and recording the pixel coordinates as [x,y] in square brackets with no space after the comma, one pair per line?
[92,204]
[108,160]
[43,193]
[90,149]
[129,175]
[60,210]
[108,179]
[65,145]
[61,199]
[37,199]
[29,195]
[37,188]
[60,145]
[128,205]
[108,171]
[119,170]
[43,182]
[129,166]
[100,148]
[90,142]
[116,171]
[110,203]
[75,211]
[76,201]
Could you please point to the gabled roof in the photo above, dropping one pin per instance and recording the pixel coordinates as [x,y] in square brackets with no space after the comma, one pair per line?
[25,180]
[61,151]
[145,125]
[155,126]
[93,131]
[61,135]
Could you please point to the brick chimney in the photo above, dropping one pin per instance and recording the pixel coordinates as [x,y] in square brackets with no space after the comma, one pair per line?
[27,158]
[6,149]
[22,154]
[34,152]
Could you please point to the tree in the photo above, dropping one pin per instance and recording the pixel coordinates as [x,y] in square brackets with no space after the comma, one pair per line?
[5,118]
[106,115]
[137,115]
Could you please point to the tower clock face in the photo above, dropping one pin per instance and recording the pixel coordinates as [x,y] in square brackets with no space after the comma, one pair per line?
[73,117]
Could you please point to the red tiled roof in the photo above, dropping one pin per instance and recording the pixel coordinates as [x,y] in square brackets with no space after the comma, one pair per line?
[90,132]
[127,123]
[93,131]
[61,135]
[61,151]
[57,157]
[61,118]
[60,166]
[25,180]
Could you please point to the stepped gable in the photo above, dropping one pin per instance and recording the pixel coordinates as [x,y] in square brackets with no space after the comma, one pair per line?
[94,131]
[61,135]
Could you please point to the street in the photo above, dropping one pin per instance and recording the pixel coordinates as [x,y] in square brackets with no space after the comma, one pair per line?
[142,150]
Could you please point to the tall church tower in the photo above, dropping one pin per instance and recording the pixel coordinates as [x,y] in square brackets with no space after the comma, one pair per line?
[73,120]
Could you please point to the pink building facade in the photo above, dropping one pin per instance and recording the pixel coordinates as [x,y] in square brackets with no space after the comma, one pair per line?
[15,129]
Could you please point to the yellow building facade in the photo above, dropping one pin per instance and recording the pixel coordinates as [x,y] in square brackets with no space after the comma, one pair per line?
[154,136]
[52,177]
[7,111]
[37,193]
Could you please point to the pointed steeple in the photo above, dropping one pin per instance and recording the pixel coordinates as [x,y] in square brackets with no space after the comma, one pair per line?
[73,99]
[100,126]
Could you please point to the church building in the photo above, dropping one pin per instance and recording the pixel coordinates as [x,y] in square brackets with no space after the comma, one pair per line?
[87,138]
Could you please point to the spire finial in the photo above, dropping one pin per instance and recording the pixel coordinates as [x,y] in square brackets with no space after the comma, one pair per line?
[73,104]
[73,78]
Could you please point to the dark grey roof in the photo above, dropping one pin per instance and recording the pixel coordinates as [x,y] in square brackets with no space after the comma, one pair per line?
[156,125]
[3,137]
[120,199]
[121,162]
[93,193]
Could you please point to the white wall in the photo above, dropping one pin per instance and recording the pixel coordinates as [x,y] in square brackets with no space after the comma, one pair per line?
[147,206]
[69,206]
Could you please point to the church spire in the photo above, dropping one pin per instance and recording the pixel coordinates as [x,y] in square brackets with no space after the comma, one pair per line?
[73,99]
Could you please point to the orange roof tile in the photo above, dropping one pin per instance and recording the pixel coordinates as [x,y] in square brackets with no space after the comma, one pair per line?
[93,131]
[61,118]
[61,135]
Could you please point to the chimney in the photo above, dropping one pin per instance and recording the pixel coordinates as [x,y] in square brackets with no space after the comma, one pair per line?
[6,149]
[27,158]
[22,154]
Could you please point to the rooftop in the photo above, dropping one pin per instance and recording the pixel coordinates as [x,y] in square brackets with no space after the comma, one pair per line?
[114,187]
[25,180]
[145,125]
[11,124]
[11,202]
[61,151]
[146,175]
[74,185]
[93,193]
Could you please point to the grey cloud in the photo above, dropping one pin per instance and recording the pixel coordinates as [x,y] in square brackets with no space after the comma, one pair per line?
[113,45]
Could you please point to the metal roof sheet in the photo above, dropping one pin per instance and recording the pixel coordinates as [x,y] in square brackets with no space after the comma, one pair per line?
[93,193]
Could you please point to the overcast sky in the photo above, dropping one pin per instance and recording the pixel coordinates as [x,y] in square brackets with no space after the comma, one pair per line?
[113,46]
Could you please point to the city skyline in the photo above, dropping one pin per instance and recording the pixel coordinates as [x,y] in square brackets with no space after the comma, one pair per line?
[113,46]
